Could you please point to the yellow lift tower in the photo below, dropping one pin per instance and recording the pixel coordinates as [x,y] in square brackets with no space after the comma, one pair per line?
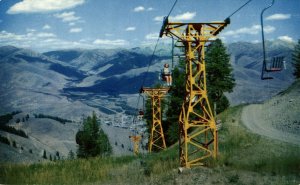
[197,126]
[135,139]
[157,138]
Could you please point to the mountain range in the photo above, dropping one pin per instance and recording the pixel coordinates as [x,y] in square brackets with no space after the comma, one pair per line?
[73,83]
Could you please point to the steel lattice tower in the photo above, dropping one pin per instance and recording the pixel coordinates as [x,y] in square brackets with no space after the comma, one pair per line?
[197,126]
[157,138]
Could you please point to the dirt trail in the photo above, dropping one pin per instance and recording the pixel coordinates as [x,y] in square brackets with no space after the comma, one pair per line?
[277,118]
[254,119]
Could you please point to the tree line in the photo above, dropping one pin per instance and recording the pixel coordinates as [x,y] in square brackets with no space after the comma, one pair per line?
[4,119]
[61,120]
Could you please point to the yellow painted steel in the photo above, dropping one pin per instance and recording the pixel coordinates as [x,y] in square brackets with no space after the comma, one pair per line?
[157,138]
[135,139]
[197,126]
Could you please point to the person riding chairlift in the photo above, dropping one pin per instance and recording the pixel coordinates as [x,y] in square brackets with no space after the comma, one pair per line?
[167,75]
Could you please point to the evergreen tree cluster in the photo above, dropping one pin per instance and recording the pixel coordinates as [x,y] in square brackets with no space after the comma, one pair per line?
[219,75]
[61,120]
[4,140]
[91,140]
[296,60]
[12,130]
[7,117]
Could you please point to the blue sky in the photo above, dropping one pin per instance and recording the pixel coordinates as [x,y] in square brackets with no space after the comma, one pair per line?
[45,25]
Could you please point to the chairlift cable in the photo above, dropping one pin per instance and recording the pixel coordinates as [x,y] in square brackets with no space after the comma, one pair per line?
[172,53]
[263,40]
[239,9]
[172,8]
[149,64]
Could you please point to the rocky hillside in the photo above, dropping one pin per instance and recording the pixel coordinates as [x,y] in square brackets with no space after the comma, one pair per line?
[32,82]
[277,118]
[45,139]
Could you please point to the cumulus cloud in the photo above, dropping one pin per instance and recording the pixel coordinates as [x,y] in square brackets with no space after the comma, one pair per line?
[35,40]
[139,9]
[253,30]
[75,30]
[151,36]
[67,16]
[44,41]
[159,18]
[46,27]
[286,38]
[41,6]
[118,42]
[45,34]
[184,17]
[130,28]
[279,16]
[30,30]
[269,29]
[180,17]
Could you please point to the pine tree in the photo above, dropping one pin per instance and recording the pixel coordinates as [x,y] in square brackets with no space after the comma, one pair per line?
[296,60]
[71,155]
[44,154]
[91,140]
[177,95]
[219,80]
[219,75]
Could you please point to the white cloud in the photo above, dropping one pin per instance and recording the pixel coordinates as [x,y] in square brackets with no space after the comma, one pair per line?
[118,42]
[44,35]
[255,29]
[72,24]
[152,36]
[75,30]
[269,29]
[139,9]
[150,9]
[67,16]
[41,6]
[130,28]
[286,38]
[279,16]
[181,17]
[46,27]
[42,41]
[159,18]
[256,41]
[30,30]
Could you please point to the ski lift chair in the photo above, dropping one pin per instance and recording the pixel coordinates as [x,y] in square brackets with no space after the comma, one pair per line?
[275,65]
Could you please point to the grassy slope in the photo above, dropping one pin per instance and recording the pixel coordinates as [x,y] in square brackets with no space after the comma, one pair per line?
[245,158]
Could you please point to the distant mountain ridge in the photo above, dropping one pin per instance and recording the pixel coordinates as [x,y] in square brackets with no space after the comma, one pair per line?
[246,60]
[73,83]
[121,71]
